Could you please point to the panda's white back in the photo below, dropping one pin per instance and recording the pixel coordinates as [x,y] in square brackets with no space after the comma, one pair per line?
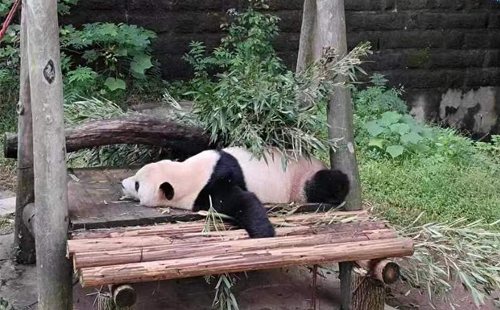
[269,181]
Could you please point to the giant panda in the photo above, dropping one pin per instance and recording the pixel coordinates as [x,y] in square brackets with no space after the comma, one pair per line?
[236,183]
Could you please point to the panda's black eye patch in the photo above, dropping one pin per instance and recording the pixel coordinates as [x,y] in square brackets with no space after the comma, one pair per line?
[136,186]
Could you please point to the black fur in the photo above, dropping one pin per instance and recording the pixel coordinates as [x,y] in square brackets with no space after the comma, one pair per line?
[327,186]
[227,189]
[167,190]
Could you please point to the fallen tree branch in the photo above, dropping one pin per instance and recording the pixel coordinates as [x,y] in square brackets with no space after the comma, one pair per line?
[148,130]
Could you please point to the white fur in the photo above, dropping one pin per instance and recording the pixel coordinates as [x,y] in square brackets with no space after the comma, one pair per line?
[269,181]
[187,178]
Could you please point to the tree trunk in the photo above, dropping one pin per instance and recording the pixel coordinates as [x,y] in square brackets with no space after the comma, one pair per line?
[24,242]
[323,25]
[147,130]
[51,204]
[367,292]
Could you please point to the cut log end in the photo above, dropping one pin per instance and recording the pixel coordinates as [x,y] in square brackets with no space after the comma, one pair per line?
[385,271]
[124,295]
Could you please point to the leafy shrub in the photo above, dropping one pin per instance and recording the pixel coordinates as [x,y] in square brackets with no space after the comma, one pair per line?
[116,52]
[395,134]
[253,102]
[376,99]
[100,58]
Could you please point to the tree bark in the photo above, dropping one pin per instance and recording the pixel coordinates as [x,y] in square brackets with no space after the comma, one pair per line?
[24,241]
[367,292]
[323,26]
[147,130]
[51,204]
[247,259]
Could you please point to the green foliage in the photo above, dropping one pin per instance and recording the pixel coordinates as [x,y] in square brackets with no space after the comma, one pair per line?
[253,102]
[108,59]
[396,134]
[119,53]
[4,305]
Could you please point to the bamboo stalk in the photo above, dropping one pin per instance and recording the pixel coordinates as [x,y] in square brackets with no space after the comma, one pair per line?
[180,250]
[244,261]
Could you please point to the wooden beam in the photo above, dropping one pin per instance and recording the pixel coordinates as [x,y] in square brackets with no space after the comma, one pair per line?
[244,261]
[385,270]
[148,130]
[24,241]
[51,203]
[131,250]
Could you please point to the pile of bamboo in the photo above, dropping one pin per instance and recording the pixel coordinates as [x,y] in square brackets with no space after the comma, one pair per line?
[168,251]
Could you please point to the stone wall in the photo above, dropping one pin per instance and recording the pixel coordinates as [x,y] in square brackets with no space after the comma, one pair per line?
[444,52]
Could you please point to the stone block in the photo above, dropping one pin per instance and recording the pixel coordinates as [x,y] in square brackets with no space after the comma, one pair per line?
[359,21]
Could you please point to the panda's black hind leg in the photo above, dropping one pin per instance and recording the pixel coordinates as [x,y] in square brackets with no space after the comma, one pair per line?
[327,186]
[246,208]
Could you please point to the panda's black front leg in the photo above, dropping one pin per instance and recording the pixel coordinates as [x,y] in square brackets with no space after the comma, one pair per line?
[246,208]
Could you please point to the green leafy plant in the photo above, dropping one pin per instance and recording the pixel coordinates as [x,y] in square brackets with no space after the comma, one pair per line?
[117,52]
[394,134]
[253,101]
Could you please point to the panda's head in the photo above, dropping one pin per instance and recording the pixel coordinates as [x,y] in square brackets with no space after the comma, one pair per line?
[150,185]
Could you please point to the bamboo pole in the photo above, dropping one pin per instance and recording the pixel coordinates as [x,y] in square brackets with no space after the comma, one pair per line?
[244,261]
[24,241]
[51,204]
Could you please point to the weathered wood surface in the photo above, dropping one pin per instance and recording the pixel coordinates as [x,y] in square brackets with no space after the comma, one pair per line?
[244,260]
[148,130]
[51,204]
[24,241]
[94,202]
[384,270]
[132,251]
[166,251]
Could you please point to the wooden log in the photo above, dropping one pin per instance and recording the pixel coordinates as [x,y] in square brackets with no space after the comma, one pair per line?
[124,295]
[244,261]
[385,270]
[148,130]
[24,241]
[108,244]
[51,203]
[133,252]
[179,228]
[366,292]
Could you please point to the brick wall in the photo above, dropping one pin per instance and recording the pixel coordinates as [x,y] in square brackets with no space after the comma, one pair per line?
[444,52]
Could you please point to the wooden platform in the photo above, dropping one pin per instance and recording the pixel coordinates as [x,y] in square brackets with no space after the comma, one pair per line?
[169,251]
[94,201]
[114,241]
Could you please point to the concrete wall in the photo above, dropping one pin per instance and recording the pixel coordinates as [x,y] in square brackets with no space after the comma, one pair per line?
[444,52]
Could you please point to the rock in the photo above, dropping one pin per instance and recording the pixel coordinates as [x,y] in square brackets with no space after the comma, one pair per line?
[7,206]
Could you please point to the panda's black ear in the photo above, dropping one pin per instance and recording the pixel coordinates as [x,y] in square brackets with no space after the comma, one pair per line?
[167,190]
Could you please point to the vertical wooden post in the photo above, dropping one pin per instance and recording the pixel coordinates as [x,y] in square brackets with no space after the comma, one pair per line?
[323,25]
[51,203]
[24,242]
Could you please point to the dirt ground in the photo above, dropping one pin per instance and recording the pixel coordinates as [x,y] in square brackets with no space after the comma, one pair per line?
[283,289]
